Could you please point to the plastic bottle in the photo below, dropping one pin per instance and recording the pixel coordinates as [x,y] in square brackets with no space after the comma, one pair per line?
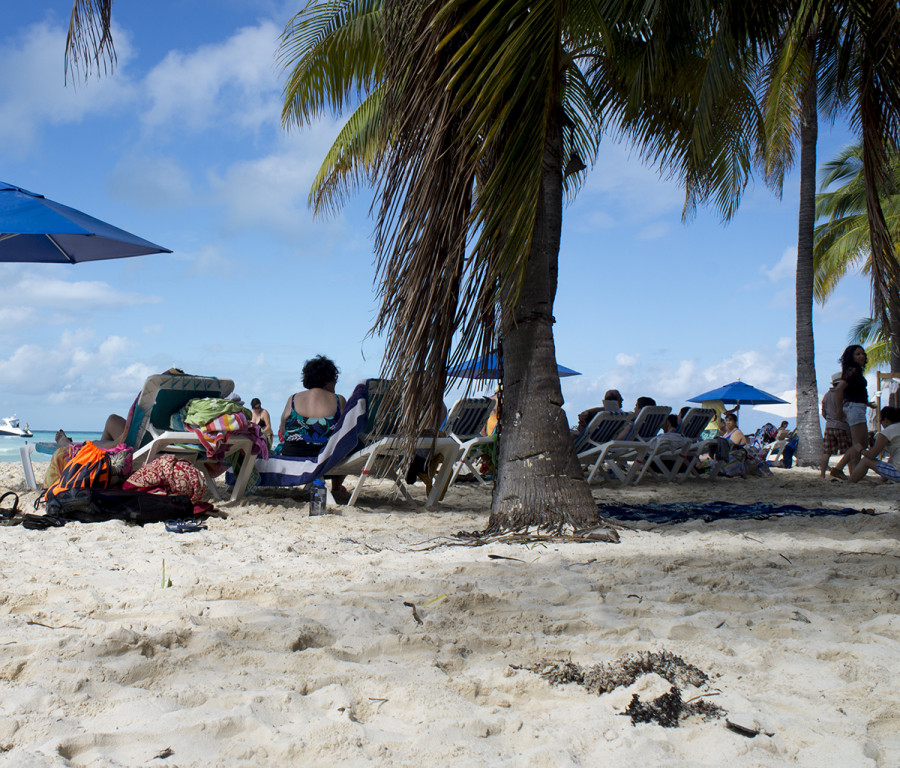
[317,497]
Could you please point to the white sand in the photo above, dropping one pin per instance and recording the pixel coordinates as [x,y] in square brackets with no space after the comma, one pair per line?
[284,639]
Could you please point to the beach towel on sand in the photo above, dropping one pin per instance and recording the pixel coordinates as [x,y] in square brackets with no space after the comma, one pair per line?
[710,511]
[299,470]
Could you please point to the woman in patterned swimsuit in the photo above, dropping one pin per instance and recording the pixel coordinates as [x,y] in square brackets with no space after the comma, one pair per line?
[309,417]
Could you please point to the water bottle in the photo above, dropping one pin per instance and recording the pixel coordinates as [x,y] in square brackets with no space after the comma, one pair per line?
[317,497]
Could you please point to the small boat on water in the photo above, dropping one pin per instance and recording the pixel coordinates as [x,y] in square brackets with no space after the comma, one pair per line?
[9,427]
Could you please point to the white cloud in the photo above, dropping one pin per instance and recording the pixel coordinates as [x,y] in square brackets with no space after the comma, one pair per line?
[626,361]
[75,370]
[36,290]
[233,83]
[785,269]
[271,192]
[33,92]
[625,190]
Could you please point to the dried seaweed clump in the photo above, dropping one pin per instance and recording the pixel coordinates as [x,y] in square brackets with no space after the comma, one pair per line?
[668,710]
[603,678]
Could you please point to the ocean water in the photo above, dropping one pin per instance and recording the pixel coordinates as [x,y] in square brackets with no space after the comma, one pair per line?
[9,446]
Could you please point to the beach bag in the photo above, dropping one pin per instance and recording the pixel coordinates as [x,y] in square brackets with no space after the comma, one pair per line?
[89,468]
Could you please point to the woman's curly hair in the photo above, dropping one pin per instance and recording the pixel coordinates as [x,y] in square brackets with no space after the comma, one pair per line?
[318,372]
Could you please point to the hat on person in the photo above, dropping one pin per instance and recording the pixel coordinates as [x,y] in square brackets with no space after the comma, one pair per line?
[836,377]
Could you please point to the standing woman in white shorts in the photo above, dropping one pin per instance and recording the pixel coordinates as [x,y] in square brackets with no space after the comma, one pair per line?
[853,394]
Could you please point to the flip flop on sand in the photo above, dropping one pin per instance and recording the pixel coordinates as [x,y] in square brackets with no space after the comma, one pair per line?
[184,526]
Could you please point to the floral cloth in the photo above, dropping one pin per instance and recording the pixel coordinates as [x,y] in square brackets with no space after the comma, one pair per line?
[169,474]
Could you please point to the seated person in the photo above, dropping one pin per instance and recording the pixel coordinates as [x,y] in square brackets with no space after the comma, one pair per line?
[260,417]
[716,425]
[888,441]
[612,403]
[626,432]
[732,433]
[310,417]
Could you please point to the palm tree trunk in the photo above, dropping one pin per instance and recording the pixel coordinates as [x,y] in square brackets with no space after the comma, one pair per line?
[809,447]
[539,480]
[894,315]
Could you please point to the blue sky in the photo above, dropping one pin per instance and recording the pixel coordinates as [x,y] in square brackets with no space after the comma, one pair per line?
[183,146]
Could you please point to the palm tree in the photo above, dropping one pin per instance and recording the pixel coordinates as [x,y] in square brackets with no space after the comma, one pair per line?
[842,243]
[840,54]
[466,152]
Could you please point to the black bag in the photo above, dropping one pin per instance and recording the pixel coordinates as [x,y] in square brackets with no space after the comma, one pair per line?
[96,505]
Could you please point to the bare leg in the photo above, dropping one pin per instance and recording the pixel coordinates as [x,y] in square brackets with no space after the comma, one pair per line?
[337,490]
[864,465]
[850,457]
[114,429]
[824,466]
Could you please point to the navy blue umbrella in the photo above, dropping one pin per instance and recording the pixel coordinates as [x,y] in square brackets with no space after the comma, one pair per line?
[488,368]
[35,229]
[738,391]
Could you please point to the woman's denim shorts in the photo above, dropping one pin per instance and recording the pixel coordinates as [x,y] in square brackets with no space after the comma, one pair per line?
[855,413]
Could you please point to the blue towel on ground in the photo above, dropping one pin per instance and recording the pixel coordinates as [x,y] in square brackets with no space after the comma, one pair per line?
[709,511]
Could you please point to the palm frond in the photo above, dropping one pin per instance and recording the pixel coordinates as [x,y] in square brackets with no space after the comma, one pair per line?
[332,52]
[351,159]
[89,40]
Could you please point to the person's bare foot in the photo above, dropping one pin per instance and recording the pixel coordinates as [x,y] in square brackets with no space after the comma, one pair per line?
[838,474]
[62,438]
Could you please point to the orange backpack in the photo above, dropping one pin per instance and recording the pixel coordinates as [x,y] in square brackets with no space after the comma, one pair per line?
[89,468]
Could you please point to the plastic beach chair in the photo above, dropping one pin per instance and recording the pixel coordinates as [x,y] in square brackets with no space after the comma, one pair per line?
[622,458]
[691,427]
[601,429]
[465,422]
[383,449]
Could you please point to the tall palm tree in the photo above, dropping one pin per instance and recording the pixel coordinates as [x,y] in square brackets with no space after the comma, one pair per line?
[842,243]
[840,55]
[460,134]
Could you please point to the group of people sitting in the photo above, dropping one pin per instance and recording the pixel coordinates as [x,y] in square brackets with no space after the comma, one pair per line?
[844,407]
[725,422]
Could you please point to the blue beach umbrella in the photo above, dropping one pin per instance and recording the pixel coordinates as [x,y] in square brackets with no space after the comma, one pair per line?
[35,229]
[489,368]
[738,391]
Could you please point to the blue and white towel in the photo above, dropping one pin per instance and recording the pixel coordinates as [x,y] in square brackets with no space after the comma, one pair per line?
[300,470]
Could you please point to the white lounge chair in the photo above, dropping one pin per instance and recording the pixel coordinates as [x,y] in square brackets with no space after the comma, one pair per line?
[601,429]
[677,451]
[383,449]
[149,432]
[465,422]
[622,457]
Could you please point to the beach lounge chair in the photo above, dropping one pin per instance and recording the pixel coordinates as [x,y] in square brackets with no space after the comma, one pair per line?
[621,458]
[465,422]
[677,451]
[148,433]
[382,451]
[363,444]
[601,429]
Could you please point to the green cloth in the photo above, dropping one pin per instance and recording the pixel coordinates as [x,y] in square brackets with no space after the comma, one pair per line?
[202,410]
